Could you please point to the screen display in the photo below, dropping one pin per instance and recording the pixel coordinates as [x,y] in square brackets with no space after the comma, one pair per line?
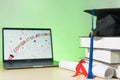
[27,44]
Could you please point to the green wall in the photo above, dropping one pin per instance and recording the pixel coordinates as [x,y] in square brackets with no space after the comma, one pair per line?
[65,17]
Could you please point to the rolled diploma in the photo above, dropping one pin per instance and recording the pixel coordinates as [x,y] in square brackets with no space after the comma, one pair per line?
[103,71]
[68,65]
[116,71]
[98,69]
[71,65]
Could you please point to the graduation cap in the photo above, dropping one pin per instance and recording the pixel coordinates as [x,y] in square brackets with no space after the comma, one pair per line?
[107,23]
[99,12]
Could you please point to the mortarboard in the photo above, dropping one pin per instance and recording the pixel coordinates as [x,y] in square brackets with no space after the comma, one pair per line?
[99,12]
[107,23]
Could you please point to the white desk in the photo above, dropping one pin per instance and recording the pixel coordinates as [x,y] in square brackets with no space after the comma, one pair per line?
[53,73]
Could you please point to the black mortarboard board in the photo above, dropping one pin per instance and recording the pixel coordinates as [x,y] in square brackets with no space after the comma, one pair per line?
[108,21]
[98,12]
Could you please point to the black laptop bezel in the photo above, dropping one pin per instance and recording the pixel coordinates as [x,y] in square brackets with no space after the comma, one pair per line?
[26,60]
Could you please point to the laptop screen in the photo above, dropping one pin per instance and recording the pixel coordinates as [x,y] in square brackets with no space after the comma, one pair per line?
[26,43]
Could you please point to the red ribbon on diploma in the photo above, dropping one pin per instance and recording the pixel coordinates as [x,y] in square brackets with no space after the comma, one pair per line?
[81,68]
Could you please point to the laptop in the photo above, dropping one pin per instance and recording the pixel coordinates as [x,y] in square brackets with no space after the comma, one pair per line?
[27,48]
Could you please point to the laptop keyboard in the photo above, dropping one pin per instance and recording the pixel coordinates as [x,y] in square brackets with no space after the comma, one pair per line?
[30,64]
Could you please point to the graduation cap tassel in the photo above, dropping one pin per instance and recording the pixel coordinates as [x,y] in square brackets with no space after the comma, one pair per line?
[90,74]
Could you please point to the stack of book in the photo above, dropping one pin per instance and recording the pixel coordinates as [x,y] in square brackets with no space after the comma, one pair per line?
[106,50]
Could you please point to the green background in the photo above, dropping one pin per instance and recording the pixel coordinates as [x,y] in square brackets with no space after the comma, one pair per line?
[65,17]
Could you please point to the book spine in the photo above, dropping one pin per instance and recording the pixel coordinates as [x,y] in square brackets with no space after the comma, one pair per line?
[103,43]
[107,56]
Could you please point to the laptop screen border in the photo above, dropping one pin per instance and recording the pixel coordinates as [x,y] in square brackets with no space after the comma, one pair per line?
[27,60]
